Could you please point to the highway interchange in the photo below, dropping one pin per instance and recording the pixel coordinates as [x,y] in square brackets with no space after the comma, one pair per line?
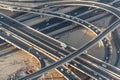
[12,34]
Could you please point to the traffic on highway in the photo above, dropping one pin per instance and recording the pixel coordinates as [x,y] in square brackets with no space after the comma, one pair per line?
[37,42]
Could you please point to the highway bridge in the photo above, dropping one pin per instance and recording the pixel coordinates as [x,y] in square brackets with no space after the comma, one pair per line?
[34,42]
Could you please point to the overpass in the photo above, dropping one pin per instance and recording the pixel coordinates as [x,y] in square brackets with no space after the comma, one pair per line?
[33,41]
[112,26]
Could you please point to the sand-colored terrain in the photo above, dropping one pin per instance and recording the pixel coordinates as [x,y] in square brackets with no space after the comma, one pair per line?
[11,63]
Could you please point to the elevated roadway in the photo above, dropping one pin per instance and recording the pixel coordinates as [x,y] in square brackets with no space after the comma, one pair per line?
[28,39]
[107,51]
[17,27]
[115,37]
[74,62]
[103,32]
[12,40]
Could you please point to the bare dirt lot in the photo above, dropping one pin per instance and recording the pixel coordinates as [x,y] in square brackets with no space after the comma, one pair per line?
[11,63]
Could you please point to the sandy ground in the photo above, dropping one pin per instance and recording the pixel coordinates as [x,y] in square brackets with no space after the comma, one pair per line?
[76,38]
[80,37]
[11,63]
[9,13]
[52,75]
[24,4]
